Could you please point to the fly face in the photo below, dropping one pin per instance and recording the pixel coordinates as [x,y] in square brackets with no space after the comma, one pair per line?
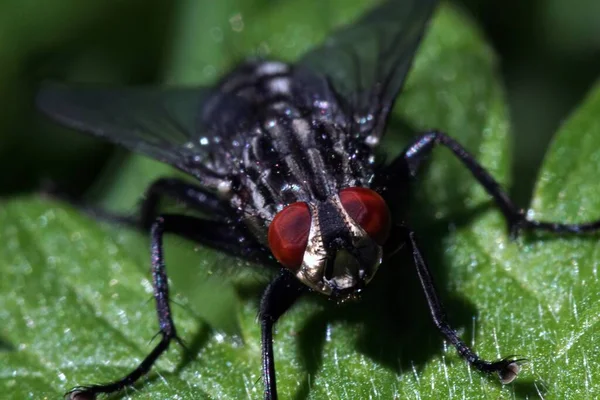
[333,246]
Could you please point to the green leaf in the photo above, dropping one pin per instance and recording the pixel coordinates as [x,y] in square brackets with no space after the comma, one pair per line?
[563,273]
[75,296]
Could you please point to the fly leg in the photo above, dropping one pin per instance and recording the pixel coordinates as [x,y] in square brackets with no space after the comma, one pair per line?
[413,156]
[203,231]
[279,296]
[507,368]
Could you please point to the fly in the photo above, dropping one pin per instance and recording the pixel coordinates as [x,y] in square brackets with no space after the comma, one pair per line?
[284,158]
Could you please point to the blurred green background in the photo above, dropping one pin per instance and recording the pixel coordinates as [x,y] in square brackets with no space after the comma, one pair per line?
[549,55]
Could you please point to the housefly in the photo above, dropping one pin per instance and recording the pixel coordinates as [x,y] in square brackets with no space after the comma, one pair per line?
[284,158]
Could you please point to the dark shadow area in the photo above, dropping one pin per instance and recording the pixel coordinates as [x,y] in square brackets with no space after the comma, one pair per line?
[126,46]
[6,346]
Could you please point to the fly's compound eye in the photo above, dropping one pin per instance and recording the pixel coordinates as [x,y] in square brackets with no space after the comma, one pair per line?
[369,210]
[288,234]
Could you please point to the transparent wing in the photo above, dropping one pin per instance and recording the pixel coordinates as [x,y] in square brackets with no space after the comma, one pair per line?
[165,124]
[366,62]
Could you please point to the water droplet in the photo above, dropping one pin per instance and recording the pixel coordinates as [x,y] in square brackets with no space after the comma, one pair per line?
[237,23]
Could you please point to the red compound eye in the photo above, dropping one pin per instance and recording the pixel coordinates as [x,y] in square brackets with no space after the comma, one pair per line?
[369,210]
[288,234]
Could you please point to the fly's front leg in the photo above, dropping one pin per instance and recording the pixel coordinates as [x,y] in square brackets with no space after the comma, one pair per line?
[187,227]
[414,155]
[279,296]
[507,368]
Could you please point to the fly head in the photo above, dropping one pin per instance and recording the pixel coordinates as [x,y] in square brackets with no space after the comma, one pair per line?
[333,246]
